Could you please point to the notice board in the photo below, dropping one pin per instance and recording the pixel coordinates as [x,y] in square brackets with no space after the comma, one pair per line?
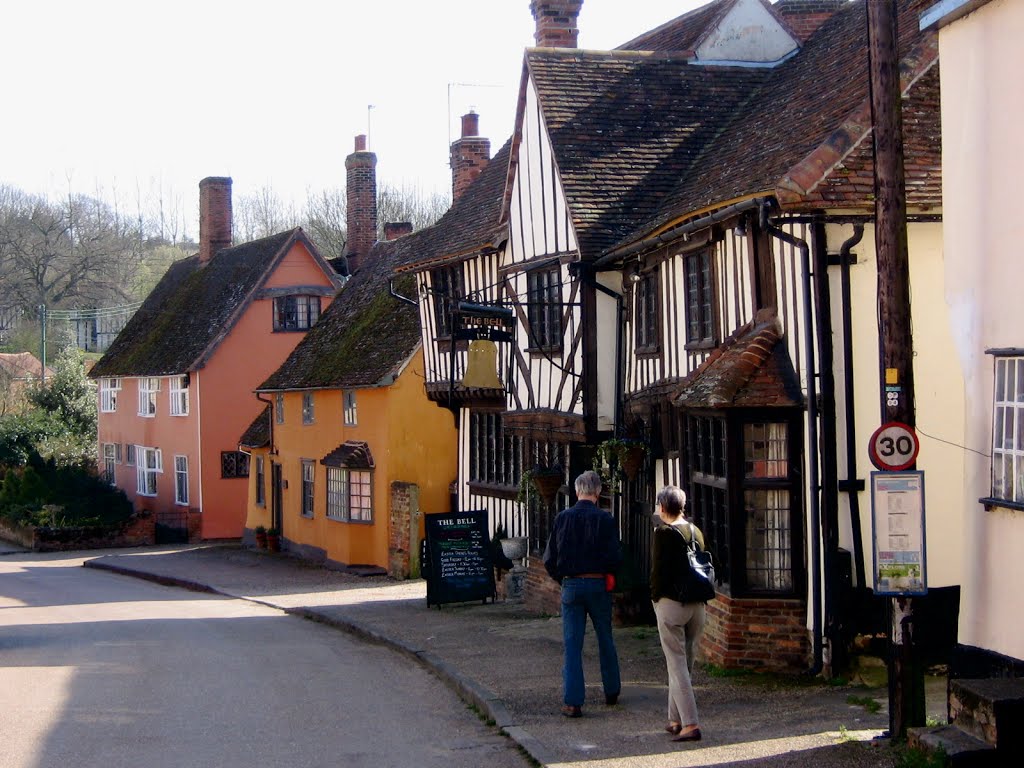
[458,567]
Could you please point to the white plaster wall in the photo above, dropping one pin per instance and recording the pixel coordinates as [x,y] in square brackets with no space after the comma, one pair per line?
[747,33]
[982,111]
[938,387]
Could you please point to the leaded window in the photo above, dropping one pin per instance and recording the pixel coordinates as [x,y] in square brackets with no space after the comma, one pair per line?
[700,299]
[544,308]
[296,313]
[646,312]
[349,495]
[447,288]
[234,464]
[495,457]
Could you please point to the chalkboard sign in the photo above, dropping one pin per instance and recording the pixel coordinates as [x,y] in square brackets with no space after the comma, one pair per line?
[458,562]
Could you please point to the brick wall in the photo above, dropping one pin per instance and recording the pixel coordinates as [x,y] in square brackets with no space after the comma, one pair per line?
[542,594]
[361,196]
[768,635]
[403,531]
[139,530]
[214,216]
[556,22]
[469,155]
[805,16]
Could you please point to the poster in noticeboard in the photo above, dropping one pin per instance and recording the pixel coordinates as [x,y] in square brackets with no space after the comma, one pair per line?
[897,522]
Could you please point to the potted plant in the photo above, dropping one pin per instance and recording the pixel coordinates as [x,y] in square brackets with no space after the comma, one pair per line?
[545,481]
[273,540]
[619,454]
[261,537]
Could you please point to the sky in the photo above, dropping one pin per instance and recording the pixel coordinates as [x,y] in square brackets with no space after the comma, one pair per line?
[132,101]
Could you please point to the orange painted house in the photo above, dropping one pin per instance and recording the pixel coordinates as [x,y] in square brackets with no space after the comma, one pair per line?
[175,387]
[350,454]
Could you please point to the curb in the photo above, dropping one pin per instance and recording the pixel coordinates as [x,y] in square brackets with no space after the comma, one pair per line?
[470,691]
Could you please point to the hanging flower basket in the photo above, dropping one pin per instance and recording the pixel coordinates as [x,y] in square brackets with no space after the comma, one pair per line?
[631,458]
[546,481]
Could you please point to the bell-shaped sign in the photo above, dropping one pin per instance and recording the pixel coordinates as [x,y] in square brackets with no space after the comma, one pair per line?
[482,366]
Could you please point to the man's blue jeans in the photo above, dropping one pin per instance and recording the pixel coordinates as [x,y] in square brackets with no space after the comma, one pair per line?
[580,598]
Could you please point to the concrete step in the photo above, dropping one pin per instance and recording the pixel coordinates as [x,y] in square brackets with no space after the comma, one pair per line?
[961,749]
[991,710]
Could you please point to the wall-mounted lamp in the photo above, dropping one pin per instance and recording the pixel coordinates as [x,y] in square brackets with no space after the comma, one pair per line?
[423,288]
[740,229]
[635,277]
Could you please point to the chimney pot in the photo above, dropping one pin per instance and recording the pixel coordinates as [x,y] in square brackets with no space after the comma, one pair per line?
[214,216]
[470,124]
[361,143]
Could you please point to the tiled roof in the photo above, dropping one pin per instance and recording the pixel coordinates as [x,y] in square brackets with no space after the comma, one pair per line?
[472,222]
[192,308]
[682,33]
[257,435]
[352,454]
[366,335]
[806,118]
[626,126]
[749,369]
[22,365]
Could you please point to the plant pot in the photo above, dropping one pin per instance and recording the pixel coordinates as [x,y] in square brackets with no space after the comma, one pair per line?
[515,547]
[547,485]
[261,540]
[273,543]
[631,459]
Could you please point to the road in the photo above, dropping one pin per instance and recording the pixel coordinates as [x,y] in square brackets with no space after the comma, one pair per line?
[98,669]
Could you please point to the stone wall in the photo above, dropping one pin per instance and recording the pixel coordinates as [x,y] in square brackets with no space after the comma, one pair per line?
[138,531]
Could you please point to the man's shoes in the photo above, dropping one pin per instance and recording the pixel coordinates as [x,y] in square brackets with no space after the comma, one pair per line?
[611,699]
[570,711]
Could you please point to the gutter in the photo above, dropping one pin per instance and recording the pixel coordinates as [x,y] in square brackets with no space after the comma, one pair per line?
[812,435]
[681,230]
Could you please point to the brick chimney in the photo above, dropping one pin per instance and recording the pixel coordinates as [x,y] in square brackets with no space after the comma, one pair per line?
[556,22]
[361,189]
[396,229]
[805,16]
[469,155]
[214,216]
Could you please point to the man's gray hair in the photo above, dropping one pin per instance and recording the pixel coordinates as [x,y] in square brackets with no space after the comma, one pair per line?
[672,499]
[588,484]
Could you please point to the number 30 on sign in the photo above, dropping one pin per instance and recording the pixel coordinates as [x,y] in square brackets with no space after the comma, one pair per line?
[894,447]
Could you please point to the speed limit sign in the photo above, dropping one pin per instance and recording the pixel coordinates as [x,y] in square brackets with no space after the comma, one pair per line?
[894,446]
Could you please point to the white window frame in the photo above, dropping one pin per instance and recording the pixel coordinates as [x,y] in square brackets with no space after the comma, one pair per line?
[307,408]
[349,406]
[350,495]
[181,480]
[308,500]
[1007,482]
[109,458]
[149,463]
[178,396]
[108,395]
[148,387]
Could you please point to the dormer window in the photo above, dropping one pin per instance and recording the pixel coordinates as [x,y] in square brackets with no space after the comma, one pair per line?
[296,313]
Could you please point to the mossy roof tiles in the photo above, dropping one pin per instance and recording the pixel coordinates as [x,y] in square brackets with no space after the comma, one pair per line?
[192,308]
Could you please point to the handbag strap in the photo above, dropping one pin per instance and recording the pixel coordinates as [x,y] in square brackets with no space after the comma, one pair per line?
[692,541]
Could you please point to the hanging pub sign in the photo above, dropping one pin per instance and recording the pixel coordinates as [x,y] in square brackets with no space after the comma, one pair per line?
[458,558]
[483,322]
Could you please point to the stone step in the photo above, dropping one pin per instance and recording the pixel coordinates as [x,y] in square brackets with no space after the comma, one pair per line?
[961,749]
[992,710]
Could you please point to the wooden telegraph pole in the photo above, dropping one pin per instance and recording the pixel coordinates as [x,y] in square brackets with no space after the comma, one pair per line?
[906,680]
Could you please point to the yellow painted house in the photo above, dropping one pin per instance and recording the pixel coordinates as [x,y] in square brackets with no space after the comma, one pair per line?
[349,454]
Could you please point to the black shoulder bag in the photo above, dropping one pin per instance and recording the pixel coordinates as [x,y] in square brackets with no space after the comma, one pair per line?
[696,581]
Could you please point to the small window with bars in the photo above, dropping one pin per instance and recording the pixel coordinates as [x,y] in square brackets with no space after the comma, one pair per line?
[447,289]
[645,315]
[700,299]
[296,313]
[544,309]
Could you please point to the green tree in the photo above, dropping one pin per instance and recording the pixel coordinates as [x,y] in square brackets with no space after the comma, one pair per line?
[68,395]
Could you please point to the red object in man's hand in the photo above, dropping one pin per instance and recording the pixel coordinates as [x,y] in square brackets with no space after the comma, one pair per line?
[609,582]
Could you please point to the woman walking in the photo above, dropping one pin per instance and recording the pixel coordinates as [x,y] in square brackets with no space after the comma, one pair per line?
[680,623]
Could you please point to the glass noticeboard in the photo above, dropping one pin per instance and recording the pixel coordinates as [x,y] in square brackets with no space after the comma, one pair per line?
[897,523]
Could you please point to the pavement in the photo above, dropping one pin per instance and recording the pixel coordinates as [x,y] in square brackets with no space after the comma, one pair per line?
[506,663]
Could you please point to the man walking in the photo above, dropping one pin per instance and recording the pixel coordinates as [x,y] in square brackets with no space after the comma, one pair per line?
[582,549]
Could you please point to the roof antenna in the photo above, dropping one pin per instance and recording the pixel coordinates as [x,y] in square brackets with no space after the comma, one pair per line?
[369,134]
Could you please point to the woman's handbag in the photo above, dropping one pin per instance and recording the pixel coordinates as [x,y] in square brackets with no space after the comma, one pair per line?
[696,583]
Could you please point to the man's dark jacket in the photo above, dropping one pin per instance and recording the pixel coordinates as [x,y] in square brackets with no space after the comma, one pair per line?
[584,539]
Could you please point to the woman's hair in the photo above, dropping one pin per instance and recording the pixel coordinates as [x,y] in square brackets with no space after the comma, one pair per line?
[672,499]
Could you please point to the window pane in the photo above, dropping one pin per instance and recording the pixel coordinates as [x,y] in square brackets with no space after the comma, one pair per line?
[1000,380]
[768,540]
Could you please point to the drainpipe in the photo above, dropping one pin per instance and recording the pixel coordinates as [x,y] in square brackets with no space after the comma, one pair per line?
[812,434]
[850,485]
[397,295]
[273,451]
[829,445]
